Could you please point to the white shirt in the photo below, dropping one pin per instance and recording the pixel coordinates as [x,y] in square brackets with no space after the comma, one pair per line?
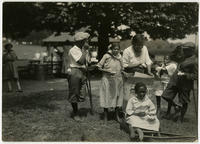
[75,54]
[129,57]
[171,68]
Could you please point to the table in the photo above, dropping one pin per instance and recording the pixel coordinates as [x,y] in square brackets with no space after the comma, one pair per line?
[41,70]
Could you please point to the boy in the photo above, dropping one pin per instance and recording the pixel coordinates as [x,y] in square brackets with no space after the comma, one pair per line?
[181,82]
[76,71]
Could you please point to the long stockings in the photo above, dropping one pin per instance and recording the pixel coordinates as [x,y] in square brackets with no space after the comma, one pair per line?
[105,115]
[158,101]
[75,108]
[183,111]
[170,104]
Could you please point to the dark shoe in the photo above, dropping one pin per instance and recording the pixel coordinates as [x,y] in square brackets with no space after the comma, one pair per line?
[181,119]
[9,91]
[177,109]
[105,119]
[167,116]
[119,116]
[116,115]
[176,116]
[19,90]
[177,113]
[158,113]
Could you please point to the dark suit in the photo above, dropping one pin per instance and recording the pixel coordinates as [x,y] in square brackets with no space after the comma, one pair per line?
[182,84]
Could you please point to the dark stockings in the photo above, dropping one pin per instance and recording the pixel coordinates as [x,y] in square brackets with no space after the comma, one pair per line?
[170,104]
[105,115]
[176,107]
[118,113]
[158,101]
[183,111]
[75,108]
[169,108]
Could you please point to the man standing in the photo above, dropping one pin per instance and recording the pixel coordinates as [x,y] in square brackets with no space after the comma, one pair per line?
[136,57]
[76,71]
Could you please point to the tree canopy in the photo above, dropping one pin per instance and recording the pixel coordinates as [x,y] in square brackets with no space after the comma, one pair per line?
[159,20]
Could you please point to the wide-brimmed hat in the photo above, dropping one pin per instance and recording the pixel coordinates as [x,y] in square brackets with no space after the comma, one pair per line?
[188,45]
[188,48]
[8,45]
[79,36]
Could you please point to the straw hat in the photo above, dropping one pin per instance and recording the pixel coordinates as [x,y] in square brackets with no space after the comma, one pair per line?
[79,36]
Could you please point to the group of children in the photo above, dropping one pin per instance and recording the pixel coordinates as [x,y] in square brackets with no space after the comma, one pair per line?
[141,112]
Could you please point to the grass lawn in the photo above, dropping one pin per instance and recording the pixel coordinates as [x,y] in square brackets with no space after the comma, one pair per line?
[42,113]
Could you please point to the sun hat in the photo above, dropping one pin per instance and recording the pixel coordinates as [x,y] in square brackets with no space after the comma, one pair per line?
[188,45]
[81,36]
[189,49]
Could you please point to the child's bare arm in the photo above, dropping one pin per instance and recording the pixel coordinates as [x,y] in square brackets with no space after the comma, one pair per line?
[152,109]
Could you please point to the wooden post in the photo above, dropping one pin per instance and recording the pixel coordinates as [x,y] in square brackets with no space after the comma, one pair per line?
[51,63]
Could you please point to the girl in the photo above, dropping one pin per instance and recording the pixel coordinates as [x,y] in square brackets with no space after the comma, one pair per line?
[111,90]
[9,67]
[164,72]
[141,112]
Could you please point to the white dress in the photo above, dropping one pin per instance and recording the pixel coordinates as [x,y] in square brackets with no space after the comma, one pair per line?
[149,121]
[161,84]
[111,89]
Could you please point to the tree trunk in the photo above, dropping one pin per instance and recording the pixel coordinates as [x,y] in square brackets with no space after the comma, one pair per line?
[103,39]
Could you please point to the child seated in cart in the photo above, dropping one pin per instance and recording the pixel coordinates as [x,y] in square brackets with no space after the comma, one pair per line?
[141,112]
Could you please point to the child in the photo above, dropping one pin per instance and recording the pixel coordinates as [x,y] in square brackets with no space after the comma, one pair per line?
[111,90]
[9,67]
[76,72]
[164,72]
[141,112]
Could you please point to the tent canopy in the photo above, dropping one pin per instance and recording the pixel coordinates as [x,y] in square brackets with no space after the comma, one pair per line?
[65,38]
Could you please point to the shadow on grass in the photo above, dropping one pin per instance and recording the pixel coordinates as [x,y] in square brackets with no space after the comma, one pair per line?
[34,100]
[111,115]
[83,112]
